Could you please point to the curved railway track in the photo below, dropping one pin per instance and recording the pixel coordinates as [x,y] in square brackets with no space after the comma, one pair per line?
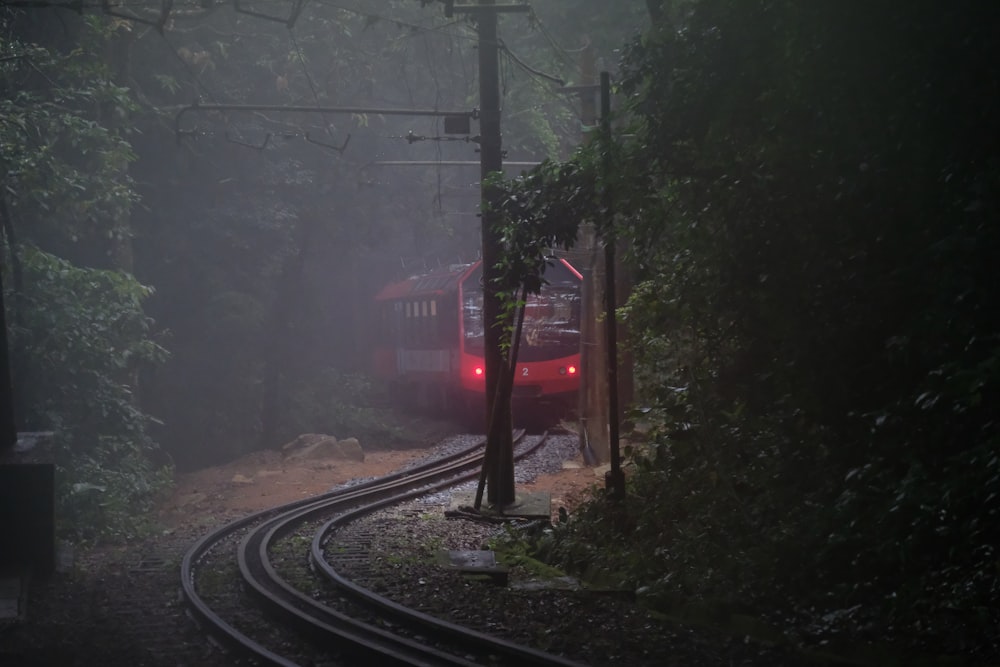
[325,618]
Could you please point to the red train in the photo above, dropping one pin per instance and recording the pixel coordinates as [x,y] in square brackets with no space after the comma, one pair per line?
[430,342]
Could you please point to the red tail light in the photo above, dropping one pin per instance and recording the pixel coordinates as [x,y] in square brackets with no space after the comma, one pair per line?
[479,371]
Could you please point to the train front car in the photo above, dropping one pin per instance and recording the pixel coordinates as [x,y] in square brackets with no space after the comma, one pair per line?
[547,375]
[429,346]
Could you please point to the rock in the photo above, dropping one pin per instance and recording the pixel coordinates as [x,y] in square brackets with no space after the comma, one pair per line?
[241,479]
[321,448]
[328,447]
[304,441]
[350,448]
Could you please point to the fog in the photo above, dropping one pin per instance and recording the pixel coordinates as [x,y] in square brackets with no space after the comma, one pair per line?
[262,233]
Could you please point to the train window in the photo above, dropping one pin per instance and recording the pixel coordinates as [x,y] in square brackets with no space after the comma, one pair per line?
[396,321]
[428,325]
[551,324]
[418,324]
[472,315]
[431,331]
[404,322]
[424,323]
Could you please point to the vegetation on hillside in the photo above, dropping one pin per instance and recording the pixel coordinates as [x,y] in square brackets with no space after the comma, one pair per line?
[78,334]
[810,198]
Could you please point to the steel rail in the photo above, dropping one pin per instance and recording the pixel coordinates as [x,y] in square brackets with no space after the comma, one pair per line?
[319,619]
[521,653]
[202,611]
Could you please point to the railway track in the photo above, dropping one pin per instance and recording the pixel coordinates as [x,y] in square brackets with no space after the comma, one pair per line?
[265,587]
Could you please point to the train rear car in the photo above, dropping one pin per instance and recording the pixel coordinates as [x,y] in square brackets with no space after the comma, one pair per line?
[417,338]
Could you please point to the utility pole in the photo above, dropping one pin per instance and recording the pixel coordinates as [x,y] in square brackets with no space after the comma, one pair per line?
[499,439]
[593,399]
[498,464]
[615,478]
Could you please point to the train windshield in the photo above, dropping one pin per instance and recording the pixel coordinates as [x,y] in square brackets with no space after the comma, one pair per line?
[551,322]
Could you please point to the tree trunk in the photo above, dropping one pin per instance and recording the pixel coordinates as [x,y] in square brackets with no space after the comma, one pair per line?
[287,297]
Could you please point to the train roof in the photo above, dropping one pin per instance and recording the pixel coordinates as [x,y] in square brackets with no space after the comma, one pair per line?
[436,282]
[444,280]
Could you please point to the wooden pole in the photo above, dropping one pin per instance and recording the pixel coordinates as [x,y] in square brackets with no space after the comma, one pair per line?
[615,479]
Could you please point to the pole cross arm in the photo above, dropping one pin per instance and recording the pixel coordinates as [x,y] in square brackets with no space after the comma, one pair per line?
[281,108]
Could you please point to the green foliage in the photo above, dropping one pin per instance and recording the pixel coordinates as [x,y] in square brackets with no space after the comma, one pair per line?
[538,212]
[811,199]
[64,169]
[542,210]
[84,336]
[78,336]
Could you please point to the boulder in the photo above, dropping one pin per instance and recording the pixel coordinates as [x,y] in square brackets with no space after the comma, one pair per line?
[350,449]
[319,447]
[303,441]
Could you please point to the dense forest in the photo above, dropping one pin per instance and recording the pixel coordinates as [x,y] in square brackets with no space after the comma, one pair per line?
[805,193]
[187,286]
[810,196]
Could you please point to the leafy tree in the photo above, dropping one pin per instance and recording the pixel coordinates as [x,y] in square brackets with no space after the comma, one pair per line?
[811,198]
[80,331]
[78,335]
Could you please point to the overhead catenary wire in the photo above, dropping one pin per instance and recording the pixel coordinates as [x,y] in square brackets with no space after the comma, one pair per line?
[235,137]
[166,6]
[528,68]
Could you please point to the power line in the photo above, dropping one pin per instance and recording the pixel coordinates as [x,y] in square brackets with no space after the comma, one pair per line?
[528,68]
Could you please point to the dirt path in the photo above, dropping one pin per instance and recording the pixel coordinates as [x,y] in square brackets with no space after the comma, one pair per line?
[267,479]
